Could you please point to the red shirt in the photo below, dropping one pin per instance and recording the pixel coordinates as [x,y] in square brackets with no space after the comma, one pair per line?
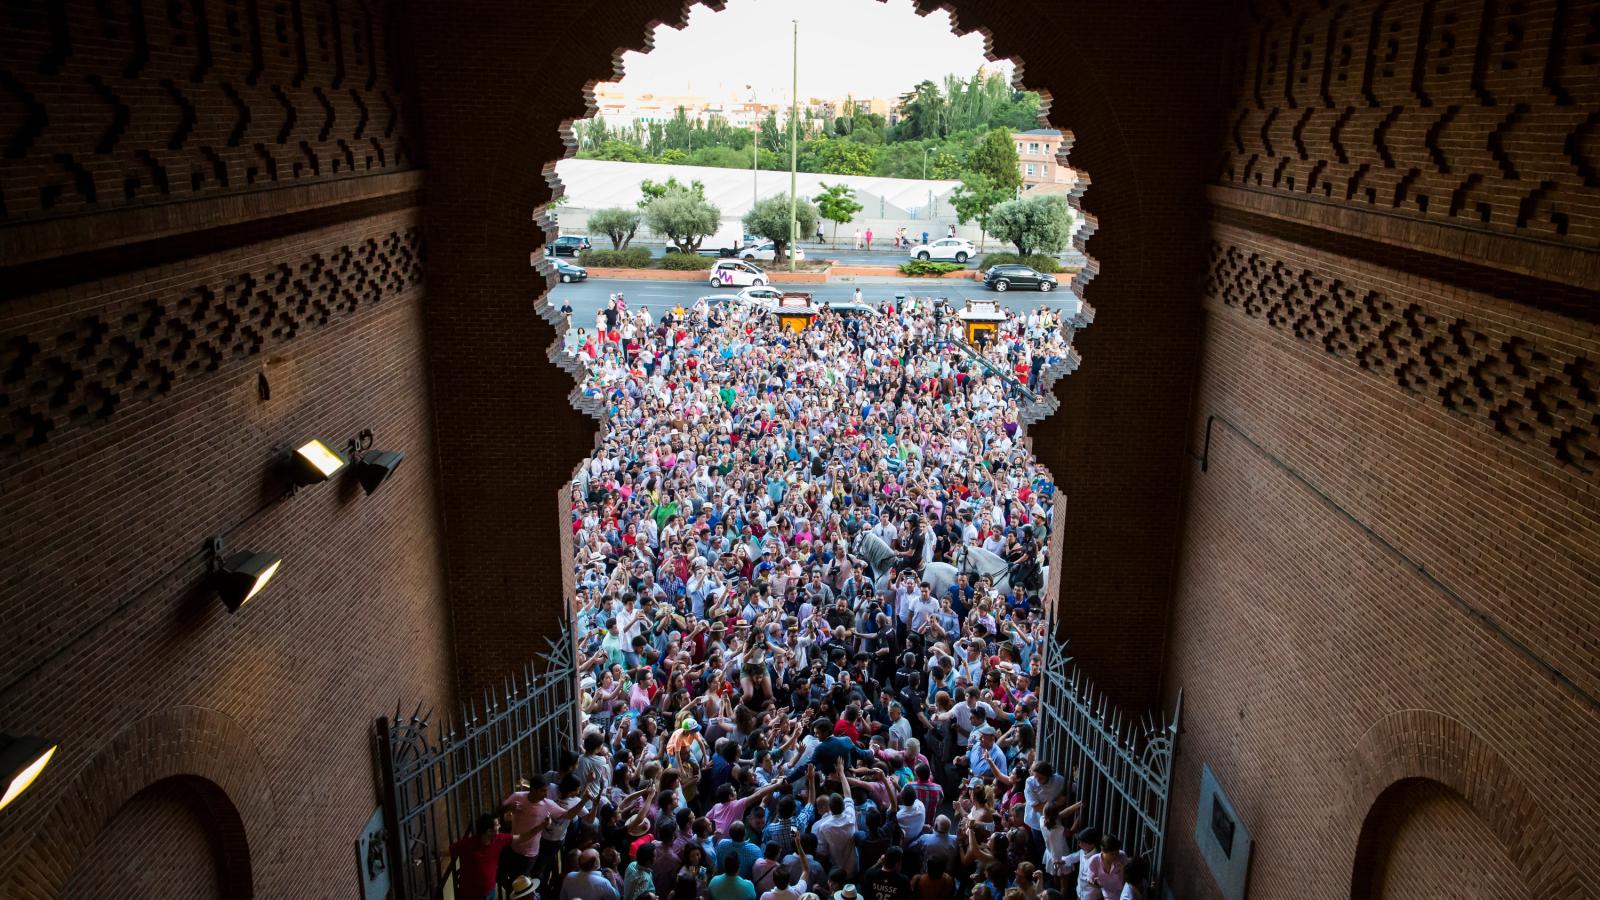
[847,729]
[479,863]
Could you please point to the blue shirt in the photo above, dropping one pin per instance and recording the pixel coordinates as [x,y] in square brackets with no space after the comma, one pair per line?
[747,852]
[979,761]
[731,887]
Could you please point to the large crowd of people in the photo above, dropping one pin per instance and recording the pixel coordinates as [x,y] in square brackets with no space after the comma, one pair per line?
[810,618]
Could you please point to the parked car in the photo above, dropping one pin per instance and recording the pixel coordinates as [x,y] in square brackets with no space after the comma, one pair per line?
[1006,277]
[567,245]
[570,271]
[737,272]
[764,297]
[766,251]
[946,249]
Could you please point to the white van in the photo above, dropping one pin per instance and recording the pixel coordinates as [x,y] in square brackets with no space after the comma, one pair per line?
[725,242]
[737,273]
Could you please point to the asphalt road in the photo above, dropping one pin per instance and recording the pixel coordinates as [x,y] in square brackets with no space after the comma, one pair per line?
[589,297]
[881,255]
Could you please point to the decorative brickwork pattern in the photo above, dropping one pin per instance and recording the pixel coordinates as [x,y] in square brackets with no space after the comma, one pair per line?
[1478,112]
[1529,390]
[83,373]
[111,104]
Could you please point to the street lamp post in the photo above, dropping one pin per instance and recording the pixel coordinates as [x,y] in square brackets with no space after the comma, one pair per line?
[755,149]
[794,143]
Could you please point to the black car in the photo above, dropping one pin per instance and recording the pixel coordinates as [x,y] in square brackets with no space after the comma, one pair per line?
[1006,277]
[570,272]
[568,245]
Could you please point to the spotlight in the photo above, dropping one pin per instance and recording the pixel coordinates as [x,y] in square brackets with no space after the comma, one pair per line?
[21,761]
[315,462]
[241,576]
[373,467]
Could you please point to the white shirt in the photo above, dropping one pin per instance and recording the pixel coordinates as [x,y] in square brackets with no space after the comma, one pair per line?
[1036,796]
[836,837]
[911,818]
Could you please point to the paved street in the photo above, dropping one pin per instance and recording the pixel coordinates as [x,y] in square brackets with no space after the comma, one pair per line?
[588,297]
[882,254]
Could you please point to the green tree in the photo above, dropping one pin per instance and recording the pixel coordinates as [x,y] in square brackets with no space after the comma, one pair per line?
[680,214]
[651,191]
[1034,224]
[976,198]
[769,218]
[836,157]
[837,204]
[616,222]
[772,137]
[995,158]
[673,156]
[923,113]
[615,151]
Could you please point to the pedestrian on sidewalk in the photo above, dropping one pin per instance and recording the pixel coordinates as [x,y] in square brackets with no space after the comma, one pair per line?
[869,240]
[858,237]
[819,232]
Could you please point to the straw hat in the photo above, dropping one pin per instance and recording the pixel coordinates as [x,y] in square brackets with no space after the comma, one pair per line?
[524,887]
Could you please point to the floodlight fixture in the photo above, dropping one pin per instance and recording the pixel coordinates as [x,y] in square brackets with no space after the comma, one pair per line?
[314,462]
[375,466]
[22,759]
[238,577]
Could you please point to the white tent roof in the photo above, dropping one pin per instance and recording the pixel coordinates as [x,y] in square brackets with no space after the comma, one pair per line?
[596,184]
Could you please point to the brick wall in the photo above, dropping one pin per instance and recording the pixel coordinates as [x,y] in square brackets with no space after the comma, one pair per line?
[1435,845]
[135,334]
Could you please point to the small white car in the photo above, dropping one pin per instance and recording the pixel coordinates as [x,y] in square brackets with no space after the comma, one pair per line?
[763,297]
[737,273]
[945,249]
[765,251]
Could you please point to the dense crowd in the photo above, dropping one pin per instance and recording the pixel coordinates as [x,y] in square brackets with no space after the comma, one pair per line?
[809,610]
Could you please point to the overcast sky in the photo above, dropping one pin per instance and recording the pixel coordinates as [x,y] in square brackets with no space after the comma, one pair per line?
[860,47]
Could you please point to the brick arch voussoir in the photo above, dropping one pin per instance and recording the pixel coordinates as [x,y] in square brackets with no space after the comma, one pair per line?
[1420,743]
[182,741]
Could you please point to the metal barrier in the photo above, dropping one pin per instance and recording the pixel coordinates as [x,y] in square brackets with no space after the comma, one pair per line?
[435,784]
[1120,768]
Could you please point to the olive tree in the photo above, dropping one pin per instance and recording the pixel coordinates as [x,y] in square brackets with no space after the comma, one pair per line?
[617,223]
[683,216]
[1033,224]
[770,219]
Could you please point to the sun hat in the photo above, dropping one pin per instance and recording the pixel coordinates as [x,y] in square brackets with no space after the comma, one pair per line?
[638,829]
[524,887]
[849,893]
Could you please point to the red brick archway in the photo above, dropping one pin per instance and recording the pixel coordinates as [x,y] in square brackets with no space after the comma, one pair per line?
[1146,138]
[1420,744]
[208,751]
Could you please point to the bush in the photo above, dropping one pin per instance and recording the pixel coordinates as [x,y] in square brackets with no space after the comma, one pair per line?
[919,268]
[686,262]
[631,258]
[1037,261]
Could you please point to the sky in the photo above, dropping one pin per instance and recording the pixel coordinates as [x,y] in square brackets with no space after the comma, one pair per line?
[862,48]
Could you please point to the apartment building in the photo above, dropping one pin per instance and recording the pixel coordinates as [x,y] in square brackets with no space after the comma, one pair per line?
[1036,157]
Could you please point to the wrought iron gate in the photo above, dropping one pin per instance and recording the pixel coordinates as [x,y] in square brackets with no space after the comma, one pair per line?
[1121,767]
[437,779]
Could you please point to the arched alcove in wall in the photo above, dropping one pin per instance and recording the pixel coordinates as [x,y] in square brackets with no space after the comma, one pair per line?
[1422,839]
[180,830]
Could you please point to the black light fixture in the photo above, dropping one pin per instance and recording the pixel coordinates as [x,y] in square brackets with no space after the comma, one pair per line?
[241,576]
[314,462]
[372,467]
[21,761]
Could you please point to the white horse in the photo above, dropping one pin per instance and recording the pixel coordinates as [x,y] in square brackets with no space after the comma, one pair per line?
[975,562]
[880,559]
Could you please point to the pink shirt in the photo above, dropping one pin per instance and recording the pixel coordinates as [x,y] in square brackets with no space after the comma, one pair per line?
[529,816]
[1111,877]
[723,815]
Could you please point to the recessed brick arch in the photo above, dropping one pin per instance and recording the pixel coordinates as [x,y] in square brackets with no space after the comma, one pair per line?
[207,750]
[1420,744]
[1129,84]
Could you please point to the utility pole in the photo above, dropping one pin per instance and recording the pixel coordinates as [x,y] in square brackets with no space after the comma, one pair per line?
[755,148]
[924,163]
[794,143]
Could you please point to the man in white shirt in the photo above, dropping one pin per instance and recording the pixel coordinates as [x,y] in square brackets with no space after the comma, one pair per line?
[1043,786]
[836,830]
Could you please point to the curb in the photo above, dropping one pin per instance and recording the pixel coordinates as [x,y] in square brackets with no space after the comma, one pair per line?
[701,275]
[894,271]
